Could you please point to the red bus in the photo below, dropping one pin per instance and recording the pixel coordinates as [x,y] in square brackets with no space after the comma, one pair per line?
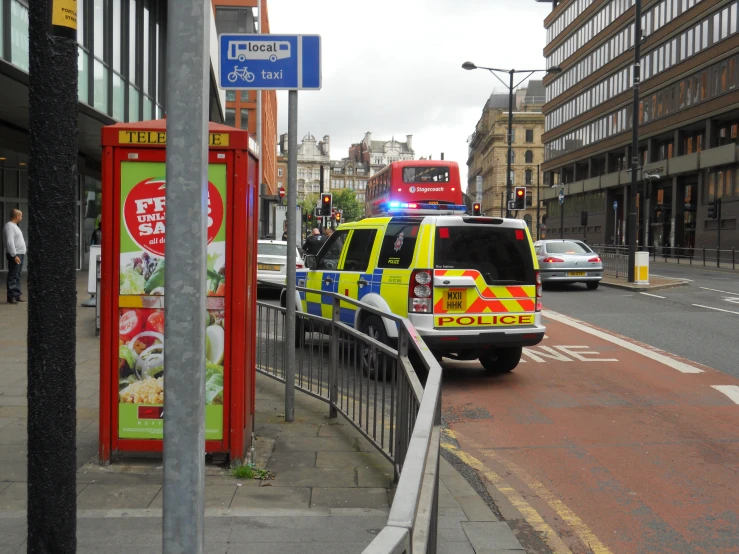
[428,182]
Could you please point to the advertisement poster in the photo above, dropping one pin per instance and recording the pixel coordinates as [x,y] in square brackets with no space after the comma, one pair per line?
[141,301]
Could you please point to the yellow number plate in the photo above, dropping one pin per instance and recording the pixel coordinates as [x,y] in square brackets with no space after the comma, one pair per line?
[577,273]
[268,267]
[455,300]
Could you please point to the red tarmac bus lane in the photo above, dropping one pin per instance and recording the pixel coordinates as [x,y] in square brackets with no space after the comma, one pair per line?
[629,454]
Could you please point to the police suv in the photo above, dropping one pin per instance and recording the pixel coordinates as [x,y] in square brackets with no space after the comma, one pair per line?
[469,285]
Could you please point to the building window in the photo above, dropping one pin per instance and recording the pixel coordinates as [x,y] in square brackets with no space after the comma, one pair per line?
[529,175]
[244,119]
[279,172]
[236,20]
[529,135]
[244,95]
[529,198]
[230,117]
[529,157]
[513,135]
[19,34]
[230,96]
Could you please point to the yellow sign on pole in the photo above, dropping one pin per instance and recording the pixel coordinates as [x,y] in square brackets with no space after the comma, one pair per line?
[64,13]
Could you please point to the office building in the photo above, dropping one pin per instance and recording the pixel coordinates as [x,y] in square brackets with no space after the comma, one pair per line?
[314,159]
[488,150]
[688,118]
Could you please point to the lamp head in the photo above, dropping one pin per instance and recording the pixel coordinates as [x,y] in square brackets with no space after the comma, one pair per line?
[554,69]
[468,66]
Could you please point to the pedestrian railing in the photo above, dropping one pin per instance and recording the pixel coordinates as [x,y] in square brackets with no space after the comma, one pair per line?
[705,257]
[378,390]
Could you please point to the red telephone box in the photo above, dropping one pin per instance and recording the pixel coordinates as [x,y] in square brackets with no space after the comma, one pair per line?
[132,296]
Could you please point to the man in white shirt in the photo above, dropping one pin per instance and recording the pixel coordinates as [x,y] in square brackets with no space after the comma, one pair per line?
[15,252]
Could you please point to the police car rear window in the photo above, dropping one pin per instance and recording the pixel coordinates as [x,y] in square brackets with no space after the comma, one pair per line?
[502,256]
[398,245]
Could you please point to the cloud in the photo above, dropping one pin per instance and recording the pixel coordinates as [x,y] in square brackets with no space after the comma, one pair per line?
[394,67]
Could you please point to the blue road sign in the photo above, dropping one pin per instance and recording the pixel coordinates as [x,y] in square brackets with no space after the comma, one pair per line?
[615,205]
[269,62]
[562,196]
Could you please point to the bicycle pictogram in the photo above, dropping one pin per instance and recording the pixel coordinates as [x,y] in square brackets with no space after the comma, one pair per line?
[242,73]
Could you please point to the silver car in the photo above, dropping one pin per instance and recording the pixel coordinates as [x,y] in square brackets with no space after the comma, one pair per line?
[271,262]
[568,261]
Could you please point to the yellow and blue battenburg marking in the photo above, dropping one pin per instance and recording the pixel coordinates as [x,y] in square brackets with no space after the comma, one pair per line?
[346,283]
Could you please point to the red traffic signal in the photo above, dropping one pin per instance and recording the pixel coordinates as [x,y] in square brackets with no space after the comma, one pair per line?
[520,198]
[476,209]
[326,205]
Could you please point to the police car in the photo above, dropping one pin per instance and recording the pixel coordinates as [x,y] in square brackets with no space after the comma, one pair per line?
[470,285]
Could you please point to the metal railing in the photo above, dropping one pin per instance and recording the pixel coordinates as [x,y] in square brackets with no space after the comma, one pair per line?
[705,257]
[377,389]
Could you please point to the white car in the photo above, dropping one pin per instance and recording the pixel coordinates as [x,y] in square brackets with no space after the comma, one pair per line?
[271,262]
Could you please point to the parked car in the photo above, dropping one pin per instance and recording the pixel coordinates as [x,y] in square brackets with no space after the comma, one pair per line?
[568,261]
[271,262]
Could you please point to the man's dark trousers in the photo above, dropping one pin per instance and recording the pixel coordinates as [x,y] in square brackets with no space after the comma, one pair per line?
[14,276]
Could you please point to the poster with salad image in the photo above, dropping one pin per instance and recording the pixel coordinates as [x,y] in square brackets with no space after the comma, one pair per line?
[142,233]
[141,373]
[141,347]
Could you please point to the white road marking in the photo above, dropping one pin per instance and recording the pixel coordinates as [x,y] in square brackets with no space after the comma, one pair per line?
[656,356]
[733,300]
[717,309]
[653,295]
[673,278]
[717,290]
[732,391]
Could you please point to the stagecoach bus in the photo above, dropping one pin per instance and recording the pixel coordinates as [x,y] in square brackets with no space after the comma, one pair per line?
[428,182]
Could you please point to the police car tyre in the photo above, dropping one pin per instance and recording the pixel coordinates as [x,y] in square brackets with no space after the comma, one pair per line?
[592,285]
[503,361]
[372,326]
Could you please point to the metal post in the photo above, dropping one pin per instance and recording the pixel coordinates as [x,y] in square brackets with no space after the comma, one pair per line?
[508,183]
[184,276]
[615,227]
[502,204]
[538,203]
[718,239]
[562,220]
[52,201]
[334,358]
[264,218]
[292,200]
[631,232]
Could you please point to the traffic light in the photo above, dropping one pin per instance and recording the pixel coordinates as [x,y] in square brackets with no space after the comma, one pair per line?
[519,198]
[337,217]
[476,209]
[713,209]
[583,218]
[326,204]
[309,217]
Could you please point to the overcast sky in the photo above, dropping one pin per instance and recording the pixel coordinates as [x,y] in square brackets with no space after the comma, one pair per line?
[393,67]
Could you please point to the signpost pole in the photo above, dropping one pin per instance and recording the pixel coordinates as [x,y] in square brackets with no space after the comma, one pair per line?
[538,204]
[615,222]
[562,213]
[631,231]
[184,278]
[292,198]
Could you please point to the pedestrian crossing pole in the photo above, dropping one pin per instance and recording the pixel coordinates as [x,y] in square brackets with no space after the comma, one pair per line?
[52,290]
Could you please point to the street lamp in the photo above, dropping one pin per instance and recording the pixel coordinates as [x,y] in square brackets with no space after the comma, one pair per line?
[631,227]
[511,87]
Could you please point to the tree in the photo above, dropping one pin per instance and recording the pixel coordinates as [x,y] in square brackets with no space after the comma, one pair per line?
[346,200]
[308,204]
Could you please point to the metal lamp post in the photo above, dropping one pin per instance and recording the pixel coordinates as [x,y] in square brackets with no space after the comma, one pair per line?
[511,87]
[631,228]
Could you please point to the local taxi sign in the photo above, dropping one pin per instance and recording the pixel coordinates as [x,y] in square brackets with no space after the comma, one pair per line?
[250,61]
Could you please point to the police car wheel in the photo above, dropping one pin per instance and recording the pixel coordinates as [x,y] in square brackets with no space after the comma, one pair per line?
[592,285]
[372,365]
[504,360]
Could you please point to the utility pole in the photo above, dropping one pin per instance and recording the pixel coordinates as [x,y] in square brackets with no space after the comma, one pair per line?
[538,203]
[188,85]
[631,231]
[52,290]
[292,196]
[508,182]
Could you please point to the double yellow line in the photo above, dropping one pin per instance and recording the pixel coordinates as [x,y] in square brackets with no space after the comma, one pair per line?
[529,513]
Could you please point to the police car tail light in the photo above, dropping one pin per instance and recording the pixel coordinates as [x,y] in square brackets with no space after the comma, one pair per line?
[538,291]
[420,292]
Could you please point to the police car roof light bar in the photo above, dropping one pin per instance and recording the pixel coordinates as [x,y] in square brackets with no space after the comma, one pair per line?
[421,208]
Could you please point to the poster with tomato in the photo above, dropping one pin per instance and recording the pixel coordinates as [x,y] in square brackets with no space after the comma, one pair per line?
[141,347]
[143,210]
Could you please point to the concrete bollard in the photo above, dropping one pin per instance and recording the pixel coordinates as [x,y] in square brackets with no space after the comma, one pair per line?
[641,268]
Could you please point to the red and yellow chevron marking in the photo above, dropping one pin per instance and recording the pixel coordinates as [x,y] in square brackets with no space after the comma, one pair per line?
[482,298]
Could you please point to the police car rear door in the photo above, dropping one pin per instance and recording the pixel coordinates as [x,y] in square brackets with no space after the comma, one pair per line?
[484,274]
[325,277]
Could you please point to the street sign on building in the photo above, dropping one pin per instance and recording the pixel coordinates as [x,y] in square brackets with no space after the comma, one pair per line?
[269,62]
[562,196]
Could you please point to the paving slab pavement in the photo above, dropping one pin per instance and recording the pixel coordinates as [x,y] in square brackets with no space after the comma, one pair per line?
[331,490]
